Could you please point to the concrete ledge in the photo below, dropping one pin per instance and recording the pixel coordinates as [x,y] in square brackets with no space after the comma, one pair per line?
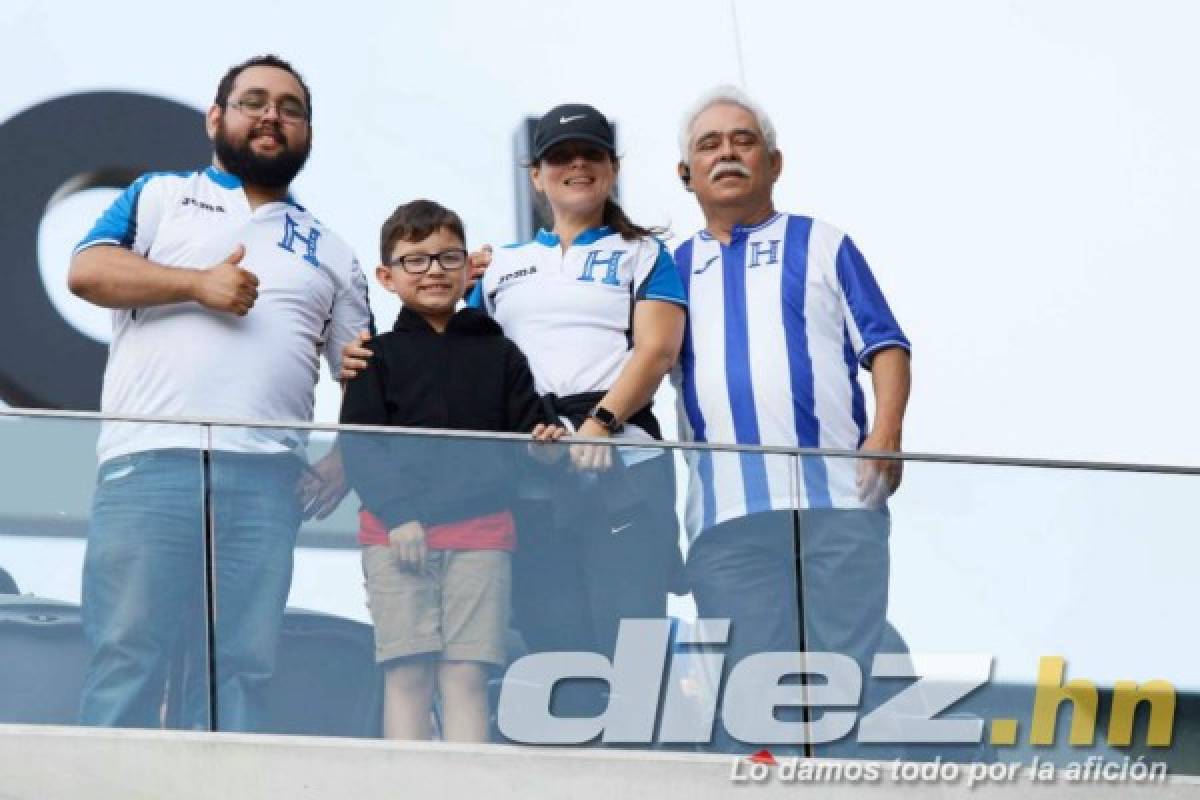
[60,763]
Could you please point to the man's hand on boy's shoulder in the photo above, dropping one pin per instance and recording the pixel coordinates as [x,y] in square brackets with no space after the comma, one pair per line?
[355,356]
[478,263]
[408,545]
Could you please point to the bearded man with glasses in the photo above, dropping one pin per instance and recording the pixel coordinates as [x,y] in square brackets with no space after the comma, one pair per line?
[225,291]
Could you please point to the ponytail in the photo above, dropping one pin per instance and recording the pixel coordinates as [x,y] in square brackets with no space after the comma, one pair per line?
[616,218]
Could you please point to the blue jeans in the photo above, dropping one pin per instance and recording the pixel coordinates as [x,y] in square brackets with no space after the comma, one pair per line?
[144,584]
[745,570]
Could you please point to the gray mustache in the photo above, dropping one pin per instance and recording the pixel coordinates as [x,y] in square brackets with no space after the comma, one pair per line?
[734,167]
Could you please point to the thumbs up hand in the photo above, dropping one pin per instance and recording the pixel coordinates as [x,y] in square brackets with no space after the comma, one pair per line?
[227,286]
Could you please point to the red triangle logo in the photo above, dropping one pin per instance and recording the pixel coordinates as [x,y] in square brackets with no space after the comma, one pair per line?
[764,757]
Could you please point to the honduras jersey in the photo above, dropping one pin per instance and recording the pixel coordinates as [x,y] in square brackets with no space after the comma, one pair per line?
[182,359]
[780,320]
[571,312]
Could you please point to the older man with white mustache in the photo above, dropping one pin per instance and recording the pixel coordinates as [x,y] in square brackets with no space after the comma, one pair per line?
[782,312]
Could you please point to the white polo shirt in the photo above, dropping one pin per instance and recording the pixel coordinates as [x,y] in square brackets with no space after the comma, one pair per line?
[571,312]
[780,321]
[182,359]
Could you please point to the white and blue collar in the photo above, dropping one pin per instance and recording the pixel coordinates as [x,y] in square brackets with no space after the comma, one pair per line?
[745,230]
[227,180]
[586,237]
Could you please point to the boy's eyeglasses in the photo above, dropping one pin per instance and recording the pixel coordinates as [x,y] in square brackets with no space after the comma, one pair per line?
[255,107]
[564,154]
[419,263]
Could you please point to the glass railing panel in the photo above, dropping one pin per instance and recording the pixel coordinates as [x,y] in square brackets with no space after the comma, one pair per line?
[1018,586]
[103,592]
[740,558]
[548,576]
[687,638]
[301,660]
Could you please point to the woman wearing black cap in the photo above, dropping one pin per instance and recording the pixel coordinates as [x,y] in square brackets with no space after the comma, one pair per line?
[598,309]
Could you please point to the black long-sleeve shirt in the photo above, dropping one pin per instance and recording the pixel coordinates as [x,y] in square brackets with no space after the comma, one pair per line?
[470,378]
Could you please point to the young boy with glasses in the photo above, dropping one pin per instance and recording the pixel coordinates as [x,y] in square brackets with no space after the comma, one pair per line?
[436,520]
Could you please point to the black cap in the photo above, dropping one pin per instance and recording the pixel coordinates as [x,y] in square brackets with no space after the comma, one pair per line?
[572,122]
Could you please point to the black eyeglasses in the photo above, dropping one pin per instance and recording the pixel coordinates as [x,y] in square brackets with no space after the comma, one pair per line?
[564,154]
[419,263]
[255,106]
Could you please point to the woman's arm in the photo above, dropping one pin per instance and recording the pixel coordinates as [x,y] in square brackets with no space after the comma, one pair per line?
[657,337]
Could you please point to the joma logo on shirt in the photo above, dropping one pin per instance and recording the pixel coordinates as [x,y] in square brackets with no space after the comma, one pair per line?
[519,273]
[203,206]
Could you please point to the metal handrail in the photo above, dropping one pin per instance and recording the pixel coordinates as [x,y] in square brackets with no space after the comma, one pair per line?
[444,433]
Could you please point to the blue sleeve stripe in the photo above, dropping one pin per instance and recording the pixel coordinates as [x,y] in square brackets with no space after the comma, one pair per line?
[864,357]
[475,298]
[868,307]
[663,280]
[117,225]
[664,298]
[86,243]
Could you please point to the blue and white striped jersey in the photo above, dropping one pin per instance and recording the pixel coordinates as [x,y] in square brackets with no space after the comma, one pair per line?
[182,359]
[780,320]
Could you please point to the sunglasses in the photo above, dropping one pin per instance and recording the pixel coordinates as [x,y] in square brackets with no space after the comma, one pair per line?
[564,154]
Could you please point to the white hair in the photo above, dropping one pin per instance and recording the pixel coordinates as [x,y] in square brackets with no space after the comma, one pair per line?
[724,95]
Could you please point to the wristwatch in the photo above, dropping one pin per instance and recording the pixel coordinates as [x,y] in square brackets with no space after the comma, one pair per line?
[606,418]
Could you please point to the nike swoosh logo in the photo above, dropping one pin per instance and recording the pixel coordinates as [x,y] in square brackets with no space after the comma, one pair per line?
[621,528]
[565,120]
[707,264]
[128,470]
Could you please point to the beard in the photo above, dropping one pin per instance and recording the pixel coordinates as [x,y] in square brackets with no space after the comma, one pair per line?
[269,172]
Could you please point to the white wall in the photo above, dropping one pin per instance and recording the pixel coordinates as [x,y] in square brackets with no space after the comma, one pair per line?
[1021,174]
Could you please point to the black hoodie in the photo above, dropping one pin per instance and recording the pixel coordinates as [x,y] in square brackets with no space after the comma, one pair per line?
[469,378]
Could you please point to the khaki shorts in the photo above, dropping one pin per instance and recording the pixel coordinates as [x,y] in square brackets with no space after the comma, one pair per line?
[459,607]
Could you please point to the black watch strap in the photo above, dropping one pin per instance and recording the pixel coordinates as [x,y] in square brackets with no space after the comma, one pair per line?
[606,418]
